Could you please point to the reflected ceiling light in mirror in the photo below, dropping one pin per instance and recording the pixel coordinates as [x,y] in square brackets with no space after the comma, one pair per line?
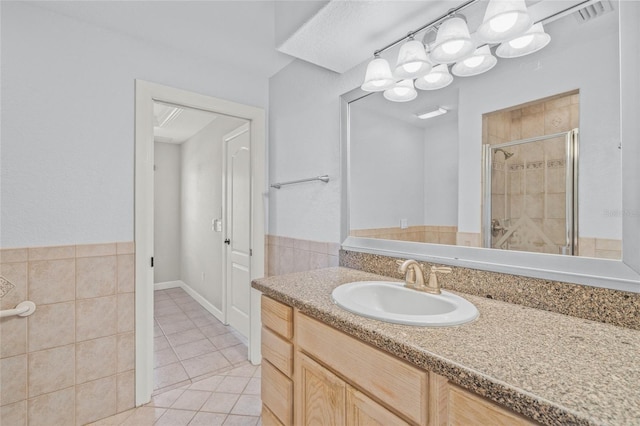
[403,91]
[378,76]
[436,112]
[438,78]
[504,20]
[412,60]
[453,41]
[480,61]
[530,42]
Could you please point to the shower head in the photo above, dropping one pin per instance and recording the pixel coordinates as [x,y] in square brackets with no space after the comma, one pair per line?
[507,154]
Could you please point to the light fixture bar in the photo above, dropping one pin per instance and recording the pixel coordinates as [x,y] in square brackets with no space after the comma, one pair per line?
[436,112]
[425,26]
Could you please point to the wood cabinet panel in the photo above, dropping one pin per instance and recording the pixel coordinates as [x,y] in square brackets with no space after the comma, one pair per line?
[277,393]
[278,317]
[320,394]
[277,351]
[400,385]
[467,409]
[363,411]
[268,418]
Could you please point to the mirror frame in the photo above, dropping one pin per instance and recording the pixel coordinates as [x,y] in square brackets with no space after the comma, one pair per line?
[621,274]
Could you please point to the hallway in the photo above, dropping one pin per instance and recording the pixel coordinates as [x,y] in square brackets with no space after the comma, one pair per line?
[201,375]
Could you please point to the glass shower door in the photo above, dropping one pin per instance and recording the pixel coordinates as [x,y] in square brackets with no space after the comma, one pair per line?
[530,194]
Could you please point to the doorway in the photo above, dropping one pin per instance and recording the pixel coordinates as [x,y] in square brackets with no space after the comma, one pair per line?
[146,95]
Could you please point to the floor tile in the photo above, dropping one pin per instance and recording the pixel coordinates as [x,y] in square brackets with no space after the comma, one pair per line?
[175,418]
[214,330]
[184,337]
[220,402]
[169,375]
[243,370]
[209,384]
[164,357]
[253,387]
[248,405]
[225,340]
[208,419]
[144,416]
[191,400]
[233,420]
[199,347]
[232,384]
[236,354]
[177,327]
[204,364]
[160,343]
[166,399]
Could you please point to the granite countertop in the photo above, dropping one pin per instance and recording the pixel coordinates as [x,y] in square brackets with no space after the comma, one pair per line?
[553,368]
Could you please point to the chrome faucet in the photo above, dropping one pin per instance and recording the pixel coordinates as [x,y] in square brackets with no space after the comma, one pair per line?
[414,277]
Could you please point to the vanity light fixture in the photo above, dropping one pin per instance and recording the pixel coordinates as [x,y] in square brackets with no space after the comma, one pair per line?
[378,76]
[436,112]
[438,78]
[403,91]
[412,60]
[504,20]
[481,60]
[453,41]
[531,41]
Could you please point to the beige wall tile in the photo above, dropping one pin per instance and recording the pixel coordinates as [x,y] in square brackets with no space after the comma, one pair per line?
[126,318]
[16,274]
[52,281]
[286,242]
[56,408]
[51,370]
[126,273]
[51,325]
[127,247]
[13,336]
[95,400]
[607,244]
[447,238]
[318,260]
[301,244]
[608,254]
[334,261]
[52,253]
[91,250]
[126,391]
[333,249]
[13,379]
[96,317]
[318,246]
[557,120]
[587,247]
[532,125]
[272,261]
[285,260]
[14,255]
[126,347]
[96,359]
[96,276]
[14,414]
[300,260]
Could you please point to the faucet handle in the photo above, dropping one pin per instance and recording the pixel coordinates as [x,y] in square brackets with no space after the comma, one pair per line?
[441,269]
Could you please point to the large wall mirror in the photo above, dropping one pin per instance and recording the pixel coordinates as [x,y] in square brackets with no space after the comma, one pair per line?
[530,168]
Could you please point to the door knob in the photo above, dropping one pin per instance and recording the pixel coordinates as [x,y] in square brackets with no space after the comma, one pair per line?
[227,241]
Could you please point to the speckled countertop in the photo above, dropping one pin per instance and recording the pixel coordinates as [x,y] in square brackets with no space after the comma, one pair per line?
[550,367]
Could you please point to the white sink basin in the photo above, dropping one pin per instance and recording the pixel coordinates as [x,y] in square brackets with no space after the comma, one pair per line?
[392,302]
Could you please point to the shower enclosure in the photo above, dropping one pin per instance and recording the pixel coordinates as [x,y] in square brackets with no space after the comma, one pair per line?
[530,194]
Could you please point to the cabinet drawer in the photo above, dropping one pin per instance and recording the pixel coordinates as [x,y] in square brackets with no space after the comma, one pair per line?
[277,393]
[397,384]
[466,408]
[278,317]
[277,351]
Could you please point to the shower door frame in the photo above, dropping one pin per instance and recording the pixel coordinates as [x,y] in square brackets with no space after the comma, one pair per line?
[571,204]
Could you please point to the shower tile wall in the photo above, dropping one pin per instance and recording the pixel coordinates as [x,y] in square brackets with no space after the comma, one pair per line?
[535,176]
[72,361]
[285,255]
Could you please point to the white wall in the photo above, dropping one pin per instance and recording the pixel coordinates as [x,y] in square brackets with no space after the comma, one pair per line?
[304,141]
[68,118]
[387,171]
[441,171]
[166,212]
[201,247]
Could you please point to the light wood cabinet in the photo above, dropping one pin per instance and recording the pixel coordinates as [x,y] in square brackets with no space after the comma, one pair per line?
[313,374]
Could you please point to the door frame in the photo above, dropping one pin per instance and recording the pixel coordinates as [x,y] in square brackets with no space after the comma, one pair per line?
[145,94]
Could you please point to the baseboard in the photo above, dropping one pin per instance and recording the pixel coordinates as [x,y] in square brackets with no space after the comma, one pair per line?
[203,302]
[167,284]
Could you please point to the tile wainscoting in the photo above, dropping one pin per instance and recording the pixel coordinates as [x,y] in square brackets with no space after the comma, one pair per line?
[72,361]
[285,255]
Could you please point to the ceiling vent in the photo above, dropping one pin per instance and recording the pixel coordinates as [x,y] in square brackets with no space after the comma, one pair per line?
[593,10]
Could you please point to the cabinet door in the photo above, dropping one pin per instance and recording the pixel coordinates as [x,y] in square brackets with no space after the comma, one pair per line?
[320,394]
[363,411]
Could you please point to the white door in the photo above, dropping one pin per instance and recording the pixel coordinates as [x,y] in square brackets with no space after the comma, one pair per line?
[238,229]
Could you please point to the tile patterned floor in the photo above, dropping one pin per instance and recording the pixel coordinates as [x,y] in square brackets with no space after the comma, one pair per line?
[202,376]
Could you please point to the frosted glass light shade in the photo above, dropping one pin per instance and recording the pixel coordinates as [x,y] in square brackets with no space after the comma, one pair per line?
[403,91]
[412,61]
[438,78]
[480,61]
[504,20]
[531,41]
[378,76]
[453,41]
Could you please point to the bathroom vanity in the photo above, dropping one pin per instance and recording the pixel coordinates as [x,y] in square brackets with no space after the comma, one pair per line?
[512,366]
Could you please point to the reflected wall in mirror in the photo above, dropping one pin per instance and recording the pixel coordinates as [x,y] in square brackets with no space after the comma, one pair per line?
[421,180]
